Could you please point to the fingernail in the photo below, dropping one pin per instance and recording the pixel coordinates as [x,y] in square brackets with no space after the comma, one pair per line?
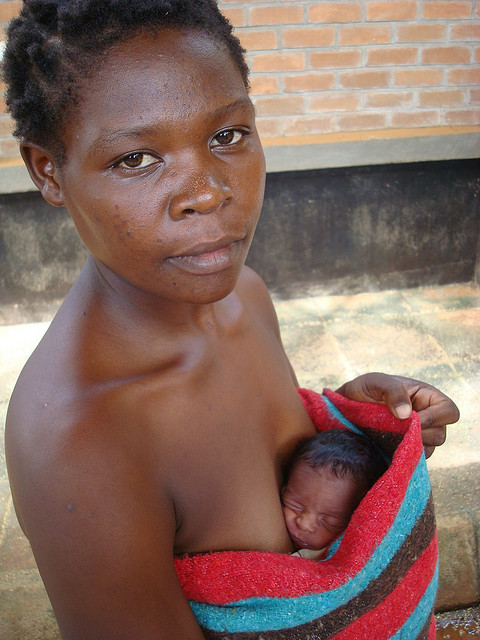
[403,411]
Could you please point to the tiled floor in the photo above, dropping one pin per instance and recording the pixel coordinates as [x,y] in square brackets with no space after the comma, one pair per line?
[432,334]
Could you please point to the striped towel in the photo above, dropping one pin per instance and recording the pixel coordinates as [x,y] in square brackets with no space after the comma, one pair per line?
[378,580]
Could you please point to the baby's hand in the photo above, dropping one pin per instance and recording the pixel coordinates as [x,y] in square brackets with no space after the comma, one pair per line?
[400,395]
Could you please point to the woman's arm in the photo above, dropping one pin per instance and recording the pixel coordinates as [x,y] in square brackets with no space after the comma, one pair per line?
[102,530]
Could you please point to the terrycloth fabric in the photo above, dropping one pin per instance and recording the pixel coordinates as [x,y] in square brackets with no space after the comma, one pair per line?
[377,582]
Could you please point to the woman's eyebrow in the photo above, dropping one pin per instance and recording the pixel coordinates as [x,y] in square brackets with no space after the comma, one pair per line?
[151,130]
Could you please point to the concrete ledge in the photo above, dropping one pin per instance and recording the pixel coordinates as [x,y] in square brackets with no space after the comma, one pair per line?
[14,177]
[371,148]
[326,151]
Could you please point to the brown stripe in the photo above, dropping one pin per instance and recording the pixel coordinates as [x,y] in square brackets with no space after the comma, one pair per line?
[412,548]
[387,441]
[340,618]
[423,635]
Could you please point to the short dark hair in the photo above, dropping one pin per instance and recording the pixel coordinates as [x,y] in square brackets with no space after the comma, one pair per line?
[344,453]
[53,46]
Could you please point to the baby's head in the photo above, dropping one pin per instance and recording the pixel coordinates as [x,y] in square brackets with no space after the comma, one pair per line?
[329,475]
[54,46]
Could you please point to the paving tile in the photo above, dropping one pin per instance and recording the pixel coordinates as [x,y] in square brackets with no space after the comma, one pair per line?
[22,621]
[17,342]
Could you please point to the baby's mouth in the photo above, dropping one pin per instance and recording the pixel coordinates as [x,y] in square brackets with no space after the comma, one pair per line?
[300,543]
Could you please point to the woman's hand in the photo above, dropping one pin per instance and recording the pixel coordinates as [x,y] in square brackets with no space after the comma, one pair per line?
[401,395]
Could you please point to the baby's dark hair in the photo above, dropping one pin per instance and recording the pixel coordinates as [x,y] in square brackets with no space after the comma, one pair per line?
[54,45]
[344,453]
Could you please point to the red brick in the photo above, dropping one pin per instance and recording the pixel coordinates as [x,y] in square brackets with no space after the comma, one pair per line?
[270,127]
[384,100]
[309,82]
[465,31]
[236,16]
[460,117]
[258,40]
[286,14]
[446,55]
[308,37]
[420,32]
[413,119]
[384,56]
[418,77]
[364,79]
[442,98]
[280,61]
[361,121]
[393,10]
[474,96]
[282,105]
[364,34]
[451,10]
[9,10]
[476,54]
[335,59]
[462,77]
[334,102]
[310,125]
[263,85]
[9,148]
[335,12]
[6,126]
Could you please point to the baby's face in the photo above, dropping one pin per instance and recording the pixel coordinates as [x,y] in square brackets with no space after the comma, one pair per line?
[317,505]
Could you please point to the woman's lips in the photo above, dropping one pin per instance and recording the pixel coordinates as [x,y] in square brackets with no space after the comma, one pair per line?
[208,258]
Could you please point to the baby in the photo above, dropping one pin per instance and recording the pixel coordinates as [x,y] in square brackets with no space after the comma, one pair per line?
[328,476]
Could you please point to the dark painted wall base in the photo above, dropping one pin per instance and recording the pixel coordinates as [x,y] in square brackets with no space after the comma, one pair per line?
[369,228]
[324,231]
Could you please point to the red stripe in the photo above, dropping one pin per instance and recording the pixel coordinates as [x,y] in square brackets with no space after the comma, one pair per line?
[389,616]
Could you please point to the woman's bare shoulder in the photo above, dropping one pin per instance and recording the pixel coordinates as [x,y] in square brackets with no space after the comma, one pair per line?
[255,295]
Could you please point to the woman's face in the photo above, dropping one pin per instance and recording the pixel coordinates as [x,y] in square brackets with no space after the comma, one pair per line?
[165,173]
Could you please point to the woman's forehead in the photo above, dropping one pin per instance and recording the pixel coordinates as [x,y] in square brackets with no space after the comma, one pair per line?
[171,77]
[168,53]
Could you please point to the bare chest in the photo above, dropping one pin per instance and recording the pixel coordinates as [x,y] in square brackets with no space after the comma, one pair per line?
[230,438]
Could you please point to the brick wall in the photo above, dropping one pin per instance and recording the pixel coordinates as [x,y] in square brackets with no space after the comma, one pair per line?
[325,67]
[322,67]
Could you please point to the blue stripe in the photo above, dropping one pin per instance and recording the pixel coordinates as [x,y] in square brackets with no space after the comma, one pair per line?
[263,614]
[340,417]
[346,423]
[415,623]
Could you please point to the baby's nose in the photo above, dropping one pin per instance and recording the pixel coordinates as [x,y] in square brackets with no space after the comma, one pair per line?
[306,522]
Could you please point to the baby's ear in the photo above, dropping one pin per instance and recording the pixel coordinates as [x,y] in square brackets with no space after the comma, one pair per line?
[43,171]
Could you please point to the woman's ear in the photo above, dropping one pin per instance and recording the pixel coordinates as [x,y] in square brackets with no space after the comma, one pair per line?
[43,171]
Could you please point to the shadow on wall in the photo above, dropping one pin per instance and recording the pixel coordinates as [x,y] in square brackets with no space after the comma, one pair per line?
[324,231]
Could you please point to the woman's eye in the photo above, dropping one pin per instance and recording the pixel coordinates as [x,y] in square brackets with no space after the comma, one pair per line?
[227,138]
[136,161]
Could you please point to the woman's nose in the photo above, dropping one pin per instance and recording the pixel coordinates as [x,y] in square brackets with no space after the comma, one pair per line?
[201,191]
